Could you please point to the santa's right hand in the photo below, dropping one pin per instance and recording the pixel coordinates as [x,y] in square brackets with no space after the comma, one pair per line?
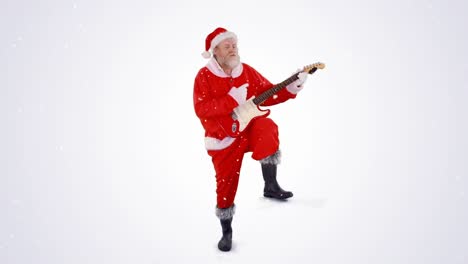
[239,93]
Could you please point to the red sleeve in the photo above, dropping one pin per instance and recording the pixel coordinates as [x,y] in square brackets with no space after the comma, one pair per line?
[205,105]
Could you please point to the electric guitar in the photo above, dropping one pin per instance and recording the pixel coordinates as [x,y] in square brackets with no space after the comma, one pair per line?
[243,114]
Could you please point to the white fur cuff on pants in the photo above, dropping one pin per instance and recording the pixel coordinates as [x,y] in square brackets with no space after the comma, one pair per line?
[225,213]
[274,159]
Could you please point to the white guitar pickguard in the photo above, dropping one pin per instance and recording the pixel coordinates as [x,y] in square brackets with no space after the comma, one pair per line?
[246,112]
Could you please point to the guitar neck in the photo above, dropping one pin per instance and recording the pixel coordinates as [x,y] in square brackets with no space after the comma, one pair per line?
[276,88]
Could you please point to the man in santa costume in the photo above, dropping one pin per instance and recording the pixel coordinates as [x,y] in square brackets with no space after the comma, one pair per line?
[222,85]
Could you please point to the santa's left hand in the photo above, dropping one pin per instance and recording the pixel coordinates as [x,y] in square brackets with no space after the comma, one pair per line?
[302,78]
[297,85]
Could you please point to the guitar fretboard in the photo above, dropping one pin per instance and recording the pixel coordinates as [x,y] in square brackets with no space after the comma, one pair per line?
[276,88]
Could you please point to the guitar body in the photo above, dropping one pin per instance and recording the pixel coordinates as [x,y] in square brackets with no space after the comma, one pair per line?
[241,118]
[248,111]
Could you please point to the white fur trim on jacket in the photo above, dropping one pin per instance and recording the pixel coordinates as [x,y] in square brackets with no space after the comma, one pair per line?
[225,213]
[214,68]
[218,144]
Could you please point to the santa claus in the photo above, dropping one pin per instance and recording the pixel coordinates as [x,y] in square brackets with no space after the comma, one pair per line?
[222,85]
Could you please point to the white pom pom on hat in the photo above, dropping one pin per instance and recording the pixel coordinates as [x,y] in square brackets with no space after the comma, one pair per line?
[206,54]
[214,38]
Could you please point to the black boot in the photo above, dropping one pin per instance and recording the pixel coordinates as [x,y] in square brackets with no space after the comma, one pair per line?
[272,188]
[226,241]
[225,216]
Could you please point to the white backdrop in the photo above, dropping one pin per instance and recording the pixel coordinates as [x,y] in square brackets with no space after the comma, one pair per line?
[102,157]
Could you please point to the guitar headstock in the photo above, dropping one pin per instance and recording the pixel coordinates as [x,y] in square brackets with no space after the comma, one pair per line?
[313,67]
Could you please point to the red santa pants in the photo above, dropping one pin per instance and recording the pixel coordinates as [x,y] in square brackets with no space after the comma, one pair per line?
[260,138]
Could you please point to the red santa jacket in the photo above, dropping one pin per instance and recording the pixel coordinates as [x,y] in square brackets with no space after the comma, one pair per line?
[212,102]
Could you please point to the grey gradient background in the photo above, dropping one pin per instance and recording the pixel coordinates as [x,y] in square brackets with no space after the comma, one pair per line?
[102,157]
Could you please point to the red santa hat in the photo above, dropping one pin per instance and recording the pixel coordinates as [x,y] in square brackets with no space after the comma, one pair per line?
[214,38]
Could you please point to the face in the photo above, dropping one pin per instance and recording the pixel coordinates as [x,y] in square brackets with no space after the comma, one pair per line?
[226,53]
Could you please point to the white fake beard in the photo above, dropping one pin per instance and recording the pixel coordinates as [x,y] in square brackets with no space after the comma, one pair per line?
[231,62]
